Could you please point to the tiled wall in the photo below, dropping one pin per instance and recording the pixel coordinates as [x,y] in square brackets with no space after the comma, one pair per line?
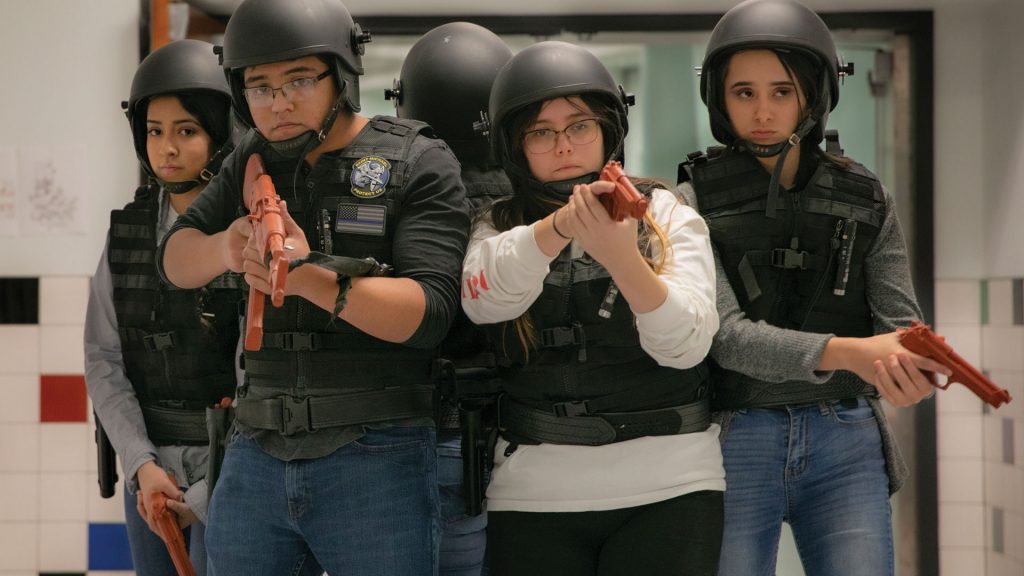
[980,450]
[52,519]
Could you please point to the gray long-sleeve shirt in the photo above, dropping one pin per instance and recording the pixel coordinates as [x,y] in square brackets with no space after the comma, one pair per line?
[114,398]
[774,354]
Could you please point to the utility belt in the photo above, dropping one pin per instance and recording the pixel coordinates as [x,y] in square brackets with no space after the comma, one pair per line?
[573,423]
[175,426]
[290,414]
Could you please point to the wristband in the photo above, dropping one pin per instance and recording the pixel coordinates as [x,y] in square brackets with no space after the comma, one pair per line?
[554,226]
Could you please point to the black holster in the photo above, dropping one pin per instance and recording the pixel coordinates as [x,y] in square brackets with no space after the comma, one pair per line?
[218,425]
[106,461]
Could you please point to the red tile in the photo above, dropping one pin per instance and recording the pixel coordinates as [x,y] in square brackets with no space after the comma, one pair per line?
[62,398]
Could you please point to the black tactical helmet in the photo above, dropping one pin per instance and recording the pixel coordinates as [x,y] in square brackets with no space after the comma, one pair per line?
[265,31]
[784,25]
[446,82]
[184,66]
[547,70]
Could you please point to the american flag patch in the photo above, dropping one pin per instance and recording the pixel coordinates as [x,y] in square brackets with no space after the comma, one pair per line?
[367,219]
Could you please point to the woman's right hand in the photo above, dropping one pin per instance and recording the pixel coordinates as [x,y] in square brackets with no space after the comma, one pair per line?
[897,373]
[153,481]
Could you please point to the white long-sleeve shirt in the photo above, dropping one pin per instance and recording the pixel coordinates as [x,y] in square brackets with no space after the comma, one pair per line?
[503,275]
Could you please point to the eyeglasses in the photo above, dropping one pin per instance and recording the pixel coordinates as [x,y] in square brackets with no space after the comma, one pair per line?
[545,139]
[294,91]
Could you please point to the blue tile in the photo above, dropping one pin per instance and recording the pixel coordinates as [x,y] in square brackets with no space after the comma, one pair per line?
[108,547]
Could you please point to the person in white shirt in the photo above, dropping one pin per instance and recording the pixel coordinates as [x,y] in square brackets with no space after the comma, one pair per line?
[607,462]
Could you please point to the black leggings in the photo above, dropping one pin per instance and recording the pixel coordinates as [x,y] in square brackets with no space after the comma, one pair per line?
[677,537]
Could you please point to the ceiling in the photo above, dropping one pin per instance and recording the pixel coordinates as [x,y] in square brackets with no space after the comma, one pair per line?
[540,7]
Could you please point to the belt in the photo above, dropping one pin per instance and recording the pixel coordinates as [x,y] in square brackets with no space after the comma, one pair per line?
[569,423]
[291,414]
[167,426]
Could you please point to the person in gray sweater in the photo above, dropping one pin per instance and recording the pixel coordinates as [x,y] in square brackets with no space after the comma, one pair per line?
[813,285]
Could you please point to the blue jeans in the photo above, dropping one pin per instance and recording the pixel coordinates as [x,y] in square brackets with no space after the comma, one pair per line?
[463,538]
[819,467]
[149,553]
[369,508]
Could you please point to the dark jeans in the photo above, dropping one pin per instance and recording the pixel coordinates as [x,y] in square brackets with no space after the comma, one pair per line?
[677,537]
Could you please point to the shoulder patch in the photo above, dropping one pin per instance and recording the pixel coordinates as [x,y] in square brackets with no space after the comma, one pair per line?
[370,175]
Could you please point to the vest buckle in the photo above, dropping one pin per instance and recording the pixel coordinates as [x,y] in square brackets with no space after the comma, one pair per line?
[560,336]
[300,341]
[788,258]
[295,415]
[571,409]
[158,342]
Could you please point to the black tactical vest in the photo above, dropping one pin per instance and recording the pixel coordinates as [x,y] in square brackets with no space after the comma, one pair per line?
[790,271]
[307,353]
[178,345]
[583,362]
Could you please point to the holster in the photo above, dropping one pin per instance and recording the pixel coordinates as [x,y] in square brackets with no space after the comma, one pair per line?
[218,425]
[106,461]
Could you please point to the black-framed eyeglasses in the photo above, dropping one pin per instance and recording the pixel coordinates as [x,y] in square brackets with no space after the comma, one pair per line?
[294,91]
[578,133]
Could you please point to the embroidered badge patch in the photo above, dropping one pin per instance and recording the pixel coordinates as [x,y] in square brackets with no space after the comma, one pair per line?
[370,174]
[367,219]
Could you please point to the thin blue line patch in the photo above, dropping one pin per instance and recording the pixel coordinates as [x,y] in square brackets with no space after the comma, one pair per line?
[369,219]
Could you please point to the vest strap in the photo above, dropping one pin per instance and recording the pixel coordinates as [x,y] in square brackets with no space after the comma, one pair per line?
[572,423]
[290,414]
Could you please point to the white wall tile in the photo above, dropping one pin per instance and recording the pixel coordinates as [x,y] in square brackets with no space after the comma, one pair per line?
[1014,534]
[104,510]
[1003,565]
[962,561]
[959,436]
[1000,302]
[63,497]
[958,399]
[62,447]
[961,525]
[63,546]
[19,547]
[20,352]
[21,398]
[19,447]
[1002,348]
[62,299]
[1013,382]
[62,351]
[19,496]
[965,340]
[992,440]
[961,481]
[957,302]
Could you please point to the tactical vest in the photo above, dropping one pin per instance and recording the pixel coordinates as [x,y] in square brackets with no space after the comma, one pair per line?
[588,381]
[178,345]
[313,370]
[802,270]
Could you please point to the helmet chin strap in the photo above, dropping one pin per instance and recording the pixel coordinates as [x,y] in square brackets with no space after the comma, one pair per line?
[299,146]
[782,150]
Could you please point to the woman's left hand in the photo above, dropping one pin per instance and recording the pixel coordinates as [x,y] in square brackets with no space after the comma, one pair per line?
[609,242]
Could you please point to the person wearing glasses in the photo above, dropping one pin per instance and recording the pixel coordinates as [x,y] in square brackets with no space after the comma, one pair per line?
[156,357]
[608,462]
[813,282]
[333,453]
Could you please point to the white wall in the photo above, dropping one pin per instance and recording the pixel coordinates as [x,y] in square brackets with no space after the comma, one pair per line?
[66,66]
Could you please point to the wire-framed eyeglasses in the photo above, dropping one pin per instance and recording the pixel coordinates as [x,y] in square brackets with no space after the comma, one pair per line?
[544,140]
[294,91]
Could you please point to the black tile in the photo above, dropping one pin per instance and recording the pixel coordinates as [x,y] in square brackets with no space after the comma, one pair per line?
[19,300]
